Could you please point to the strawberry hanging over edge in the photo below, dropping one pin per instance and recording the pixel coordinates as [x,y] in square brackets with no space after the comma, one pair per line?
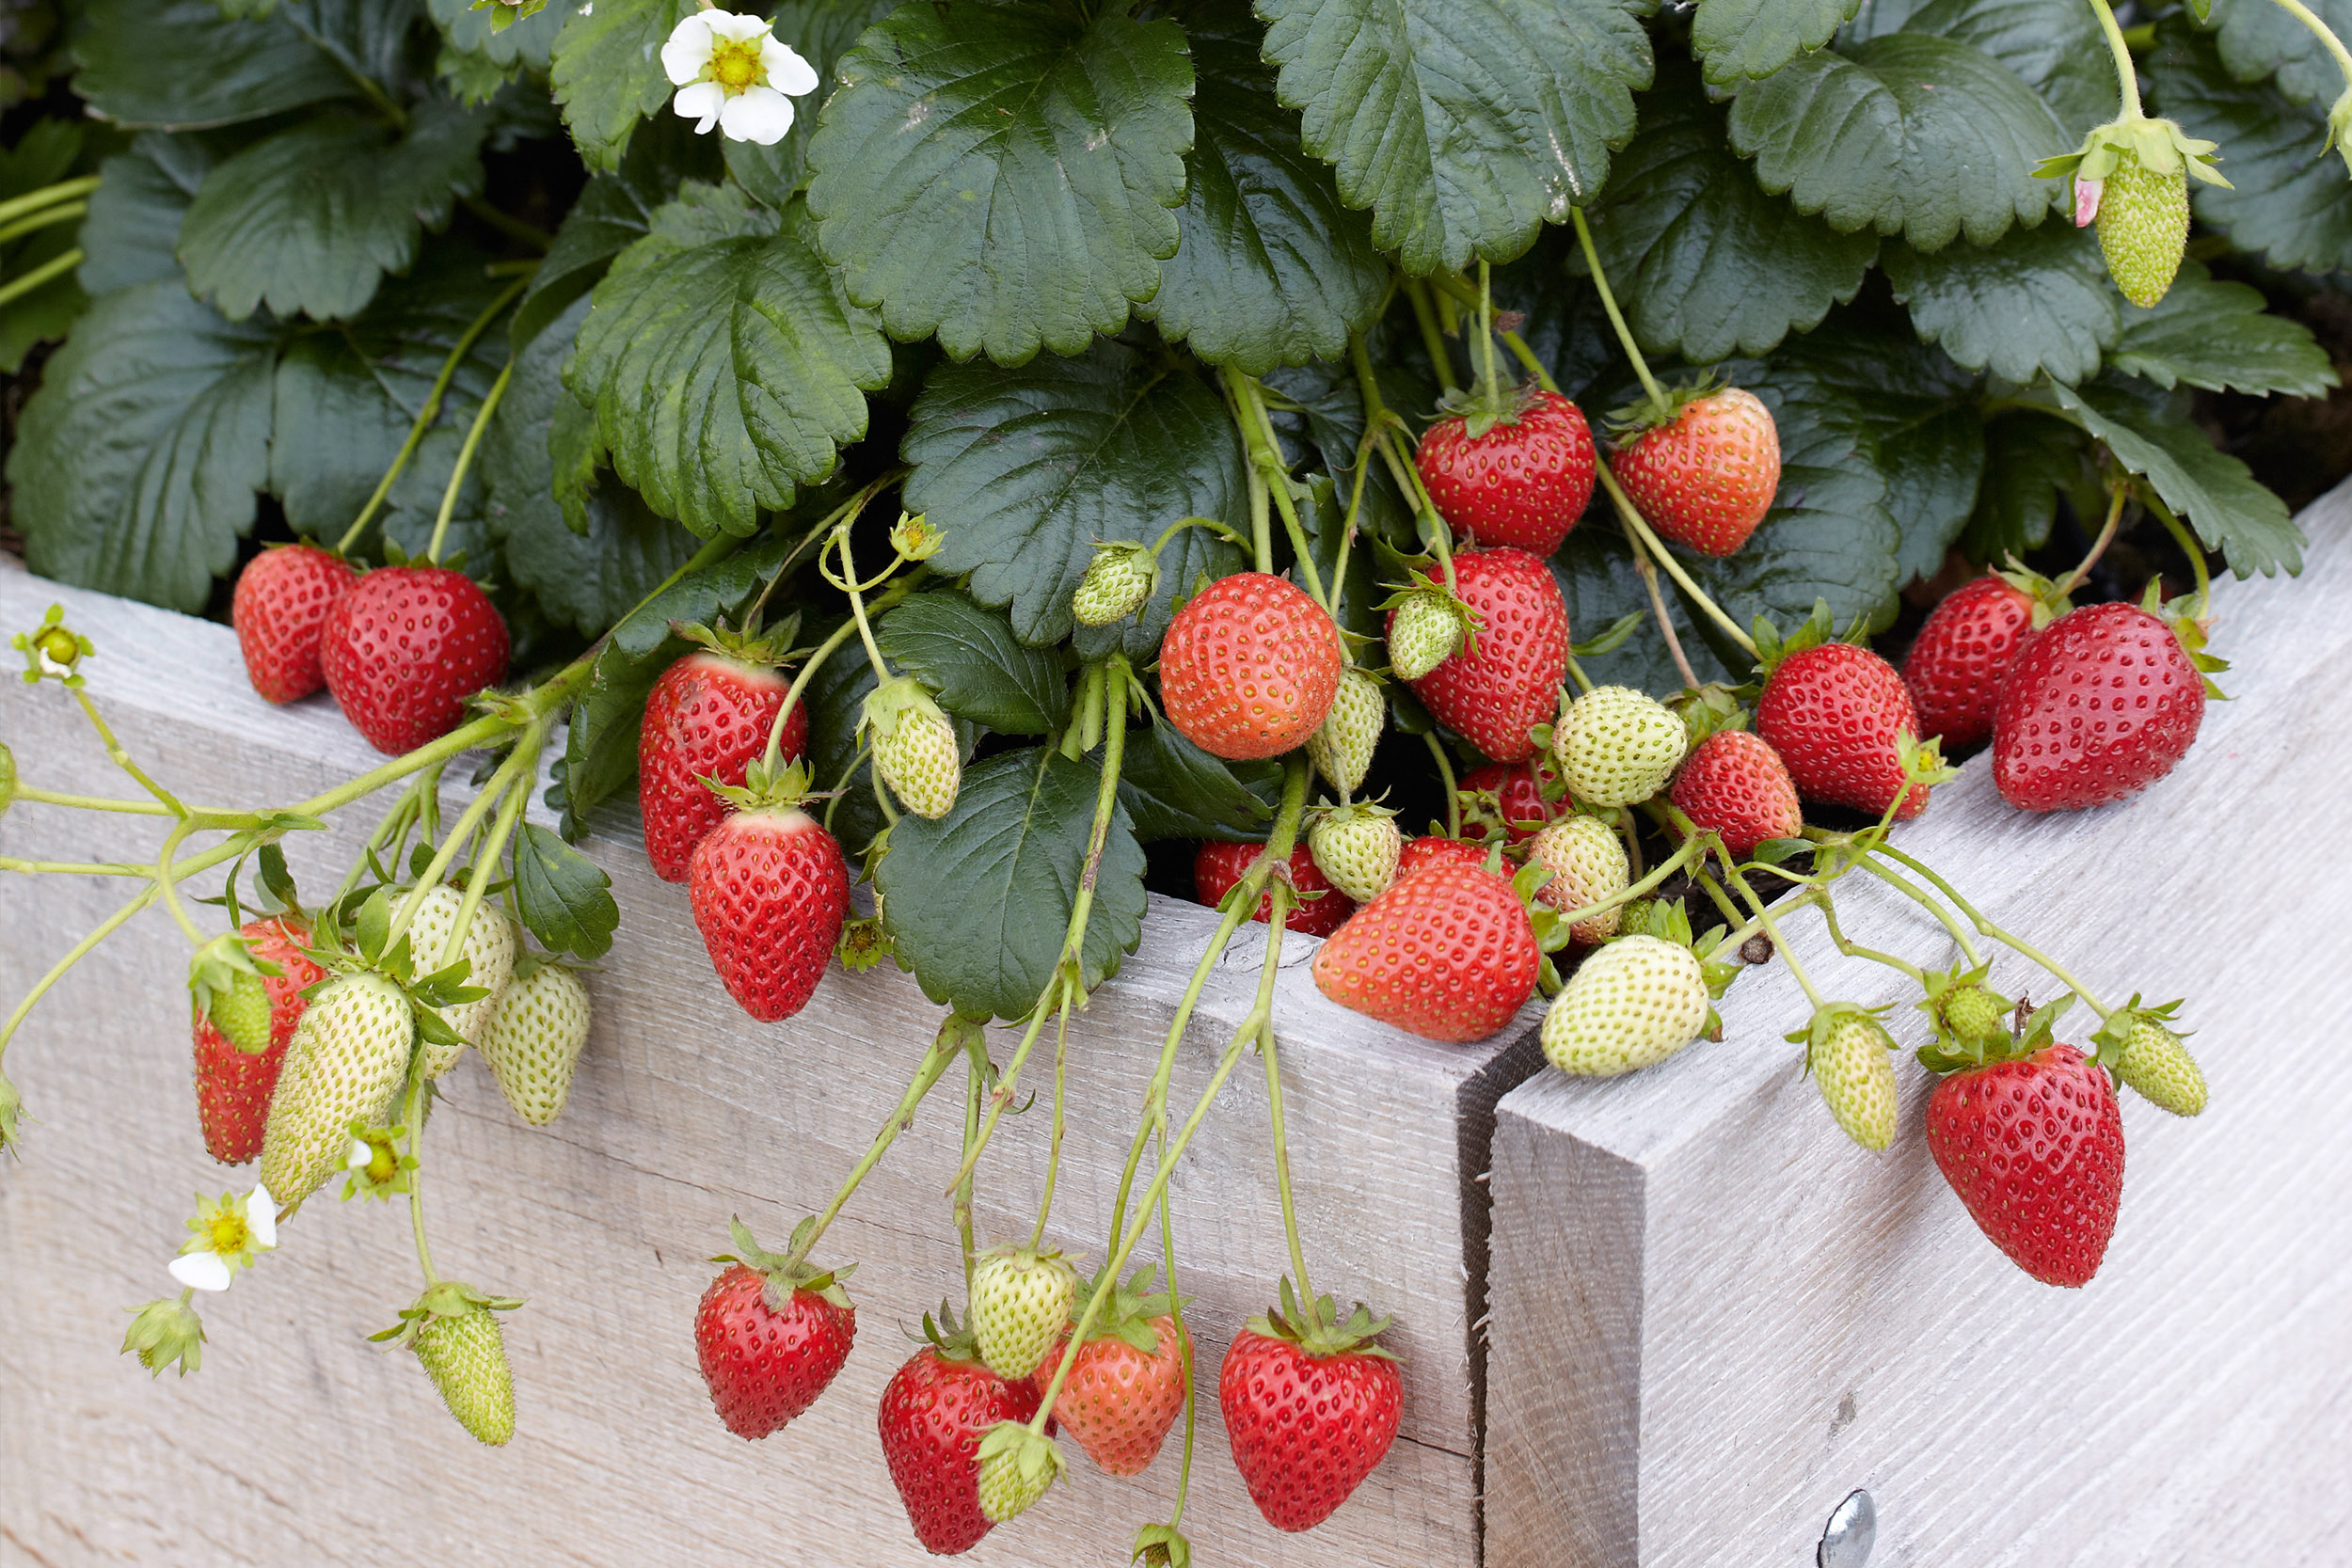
[1448,953]
[1967,646]
[280,611]
[1127,1388]
[1703,468]
[934,1411]
[771,1335]
[1733,784]
[1840,717]
[1517,475]
[406,647]
[1249,667]
[233,1086]
[1311,1406]
[707,718]
[1505,678]
[770,891]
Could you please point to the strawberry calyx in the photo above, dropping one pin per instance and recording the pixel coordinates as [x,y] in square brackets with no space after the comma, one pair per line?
[1628,424]
[1481,408]
[443,1298]
[1815,1036]
[1820,627]
[1946,1056]
[225,981]
[1966,1013]
[2191,620]
[371,949]
[761,791]
[1709,709]
[767,649]
[1128,1311]
[950,1340]
[788,1272]
[1160,1546]
[2158,145]
[1318,1330]
[2049,603]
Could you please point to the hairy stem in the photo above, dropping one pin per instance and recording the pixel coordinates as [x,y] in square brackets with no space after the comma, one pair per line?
[1645,539]
[2126,75]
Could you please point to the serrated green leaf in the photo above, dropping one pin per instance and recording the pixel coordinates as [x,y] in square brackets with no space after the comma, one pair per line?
[979,901]
[525,41]
[136,462]
[2220,496]
[2029,460]
[1023,471]
[1273,270]
[726,365]
[2258,40]
[178,65]
[613,212]
[563,896]
[310,220]
[820,31]
[606,65]
[2039,300]
[2287,196]
[1922,137]
[970,659]
[132,231]
[2056,50]
[1464,124]
[2216,334]
[583,581]
[1003,175]
[1742,39]
[1706,262]
[1173,789]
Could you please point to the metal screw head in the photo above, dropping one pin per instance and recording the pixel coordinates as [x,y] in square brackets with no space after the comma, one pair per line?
[1852,1531]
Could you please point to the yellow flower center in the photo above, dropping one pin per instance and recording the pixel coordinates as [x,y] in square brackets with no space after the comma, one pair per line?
[226,1233]
[735,63]
[383,1164]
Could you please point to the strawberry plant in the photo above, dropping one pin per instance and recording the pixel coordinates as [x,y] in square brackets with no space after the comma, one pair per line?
[950,448]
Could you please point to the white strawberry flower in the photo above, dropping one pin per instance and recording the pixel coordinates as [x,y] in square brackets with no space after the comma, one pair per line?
[228,1235]
[732,75]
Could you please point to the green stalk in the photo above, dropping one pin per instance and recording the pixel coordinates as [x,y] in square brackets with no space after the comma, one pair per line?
[1265,455]
[83,868]
[168,885]
[464,459]
[1643,538]
[2127,77]
[946,1048]
[121,758]
[522,763]
[16,288]
[47,218]
[2119,492]
[1821,899]
[976,1064]
[1780,944]
[95,803]
[1445,773]
[485,865]
[1052,1151]
[1274,1106]
[1183,1353]
[80,949]
[1432,337]
[64,190]
[415,1118]
[1909,890]
[2189,546]
[1648,574]
[824,650]
[1616,317]
[1985,928]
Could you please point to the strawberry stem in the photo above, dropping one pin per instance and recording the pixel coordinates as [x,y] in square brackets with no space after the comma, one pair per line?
[121,758]
[1780,945]
[522,763]
[80,950]
[1986,928]
[1052,1150]
[848,584]
[167,883]
[64,190]
[1643,539]
[2127,76]
[1265,456]
[1648,574]
[1274,1102]
[1184,1347]
[2189,546]
[465,460]
[80,868]
[1489,383]
[1445,775]
[1377,422]
[1432,336]
[96,802]
[414,1115]
[1658,399]
[975,1076]
[955,1033]
[1909,889]
[1820,898]
[2119,492]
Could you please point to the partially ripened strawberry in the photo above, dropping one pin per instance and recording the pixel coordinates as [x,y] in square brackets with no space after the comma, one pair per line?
[1966,648]
[1587,864]
[1249,667]
[404,647]
[1705,475]
[2102,705]
[233,1088]
[1421,853]
[1523,481]
[1633,1002]
[280,611]
[1126,1384]
[770,891]
[1447,954]
[1322,910]
[1494,692]
[934,1411]
[771,1336]
[707,718]
[1832,712]
[2035,1150]
[1311,1406]
[1517,788]
[1735,784]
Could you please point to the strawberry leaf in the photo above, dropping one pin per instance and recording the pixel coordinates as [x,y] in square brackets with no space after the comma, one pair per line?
[2038,301]
[2220,496]
[1173,789]
[613,212]
[2058,50]
[133,227]
[2217,334]
[2030,461]
[525,41]
[821,32]
[2259,42]
[563,896]
[969,658]
[1742,40]
[607,70]
[179,63]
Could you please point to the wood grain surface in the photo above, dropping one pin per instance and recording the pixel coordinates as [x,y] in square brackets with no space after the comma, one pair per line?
[298,1443]
[1714,1317]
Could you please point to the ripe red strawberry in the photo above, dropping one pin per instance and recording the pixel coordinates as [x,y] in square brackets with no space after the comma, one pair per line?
[707,717]
[1518,792]
[233,1089]
[1494,693]
[1737,785]
[934,1412]
[1524,482]
[2035,1150]
[1249,667]
[2102,705]
[404,647]
[1307,1422]
[1958,662]
[1706,476]
[1217,867]
[1447,954]
[771,1338]
[1832,712]
[770,891]
[1120,1400]
[1421,853]
[280,611]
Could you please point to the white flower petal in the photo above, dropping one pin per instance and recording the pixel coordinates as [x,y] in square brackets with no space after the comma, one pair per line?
[202,1271]
[359,1157]
[688,51]
[785,69]
[728,24]
[260,1218]
[701,102]
[760,115]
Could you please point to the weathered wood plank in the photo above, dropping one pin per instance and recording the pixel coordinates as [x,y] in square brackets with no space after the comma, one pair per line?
[1713,1317]
[296,1442]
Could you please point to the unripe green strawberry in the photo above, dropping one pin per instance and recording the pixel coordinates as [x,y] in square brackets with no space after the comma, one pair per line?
[2156,1063]
[241,1013]
[2143,227]
[1343,744]
[465,1356]
[915,747]
[489,954]
[1118,582]
[1850,1055]
[1020,1305]
[225,980]
[346,1063]
[1974,1014]
[1587,864]
[534,1043]
[1633,1002]
[1617,747]
[1355,848]
[1634,917]
[1016,1467]
[1427,631]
